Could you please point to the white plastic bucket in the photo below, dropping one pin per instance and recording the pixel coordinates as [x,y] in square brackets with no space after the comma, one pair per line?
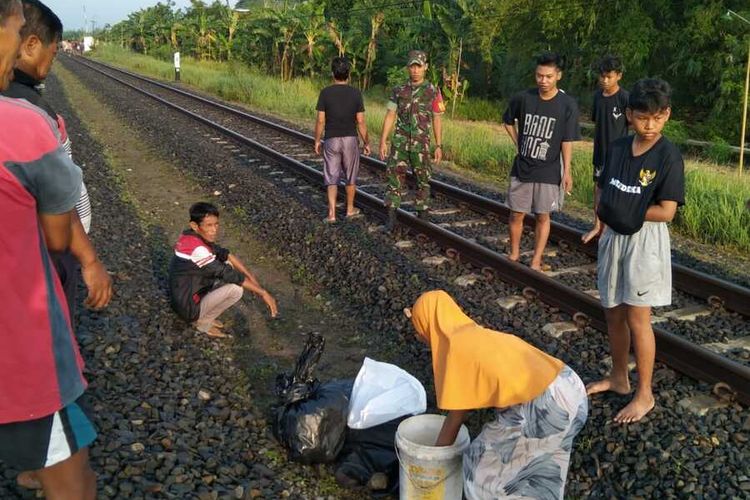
[429,472]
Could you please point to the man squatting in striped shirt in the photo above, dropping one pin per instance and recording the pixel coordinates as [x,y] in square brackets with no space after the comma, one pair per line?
[205,279]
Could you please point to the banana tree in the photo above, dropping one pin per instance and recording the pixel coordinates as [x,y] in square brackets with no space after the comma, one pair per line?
[313,29]
[289,29]
[454,21]
[230,20]
[376,23]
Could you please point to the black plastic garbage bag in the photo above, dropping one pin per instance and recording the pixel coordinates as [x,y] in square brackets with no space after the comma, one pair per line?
[298,385]
[369,459]
[310,417]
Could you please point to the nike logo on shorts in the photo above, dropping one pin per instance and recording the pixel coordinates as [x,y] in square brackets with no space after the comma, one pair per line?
[641,294]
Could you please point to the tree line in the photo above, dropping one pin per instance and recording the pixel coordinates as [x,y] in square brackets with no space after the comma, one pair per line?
[478,48]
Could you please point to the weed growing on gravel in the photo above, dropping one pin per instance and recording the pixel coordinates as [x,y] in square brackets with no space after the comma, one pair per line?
[262,371]
[327,486]
[239,212]
[715,210]
[273,456]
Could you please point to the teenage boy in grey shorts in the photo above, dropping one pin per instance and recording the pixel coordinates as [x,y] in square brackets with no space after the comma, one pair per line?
[640,188]
[341,111]
[543,123]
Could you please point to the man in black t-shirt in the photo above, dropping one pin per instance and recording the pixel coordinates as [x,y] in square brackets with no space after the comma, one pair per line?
[641,186]
[608,115]
[543,123]
[341,111]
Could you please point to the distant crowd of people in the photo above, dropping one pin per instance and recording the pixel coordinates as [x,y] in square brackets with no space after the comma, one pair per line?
[72,47]
[638,179]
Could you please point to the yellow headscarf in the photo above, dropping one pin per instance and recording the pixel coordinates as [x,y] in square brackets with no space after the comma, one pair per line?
[476,367]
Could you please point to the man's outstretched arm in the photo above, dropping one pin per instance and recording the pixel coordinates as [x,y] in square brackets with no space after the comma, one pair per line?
[251,284]
[238,265]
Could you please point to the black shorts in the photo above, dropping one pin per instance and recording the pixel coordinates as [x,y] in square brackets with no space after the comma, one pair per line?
[37,444]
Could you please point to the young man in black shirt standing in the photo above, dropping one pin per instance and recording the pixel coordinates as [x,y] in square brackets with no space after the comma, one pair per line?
[341,110]
[641,186]
[608,115]
[543,123]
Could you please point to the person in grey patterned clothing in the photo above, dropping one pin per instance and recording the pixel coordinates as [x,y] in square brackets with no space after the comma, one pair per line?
[540,403]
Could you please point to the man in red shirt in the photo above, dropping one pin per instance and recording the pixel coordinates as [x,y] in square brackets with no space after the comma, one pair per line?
[42,426]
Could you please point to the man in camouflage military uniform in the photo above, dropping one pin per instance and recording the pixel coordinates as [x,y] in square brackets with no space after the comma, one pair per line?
[415,108]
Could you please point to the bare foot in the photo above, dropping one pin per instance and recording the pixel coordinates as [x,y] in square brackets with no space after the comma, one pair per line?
[638,407]
[217,334]
[538,266]
[608,384]
[514,257]
[27,479]
[218,324]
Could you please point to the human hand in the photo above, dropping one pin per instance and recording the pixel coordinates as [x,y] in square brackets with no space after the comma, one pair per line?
[317,148]
[568,183]
[383,150]
[99,285]
[438,154]
[270,302]
[585,238]
[366,150]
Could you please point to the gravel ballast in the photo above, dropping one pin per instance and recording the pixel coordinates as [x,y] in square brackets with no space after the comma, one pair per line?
[365,279]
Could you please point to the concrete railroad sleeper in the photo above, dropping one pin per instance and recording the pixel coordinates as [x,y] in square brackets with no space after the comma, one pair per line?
[691,359]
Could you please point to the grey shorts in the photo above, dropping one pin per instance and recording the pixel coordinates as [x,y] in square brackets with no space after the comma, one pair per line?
[340,154]
[534,197]
[637,269]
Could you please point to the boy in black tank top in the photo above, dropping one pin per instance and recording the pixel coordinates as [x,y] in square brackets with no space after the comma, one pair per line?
[640,188]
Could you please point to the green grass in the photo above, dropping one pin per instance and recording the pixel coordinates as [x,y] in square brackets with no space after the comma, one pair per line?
[714,213]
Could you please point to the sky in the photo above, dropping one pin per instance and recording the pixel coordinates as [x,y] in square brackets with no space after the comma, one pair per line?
[101,12]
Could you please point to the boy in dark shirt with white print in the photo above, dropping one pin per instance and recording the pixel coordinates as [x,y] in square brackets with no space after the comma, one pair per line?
[608,115]
[542,122]
[640,188]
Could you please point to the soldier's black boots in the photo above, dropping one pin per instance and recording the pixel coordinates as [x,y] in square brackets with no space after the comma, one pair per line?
[390,224]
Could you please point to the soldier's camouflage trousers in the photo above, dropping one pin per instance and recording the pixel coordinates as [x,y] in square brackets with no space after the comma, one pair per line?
[396,169]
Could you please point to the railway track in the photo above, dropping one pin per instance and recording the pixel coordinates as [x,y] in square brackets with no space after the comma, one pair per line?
[456,228]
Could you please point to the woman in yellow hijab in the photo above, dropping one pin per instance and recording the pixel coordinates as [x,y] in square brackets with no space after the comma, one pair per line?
[541,403]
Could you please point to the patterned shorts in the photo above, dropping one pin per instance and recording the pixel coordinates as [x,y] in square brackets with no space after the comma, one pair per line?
[525,451]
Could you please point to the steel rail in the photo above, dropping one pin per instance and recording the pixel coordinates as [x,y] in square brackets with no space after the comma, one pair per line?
[691,359]
[715,291]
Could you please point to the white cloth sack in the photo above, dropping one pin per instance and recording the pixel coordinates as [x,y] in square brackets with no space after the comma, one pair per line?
[383,392]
